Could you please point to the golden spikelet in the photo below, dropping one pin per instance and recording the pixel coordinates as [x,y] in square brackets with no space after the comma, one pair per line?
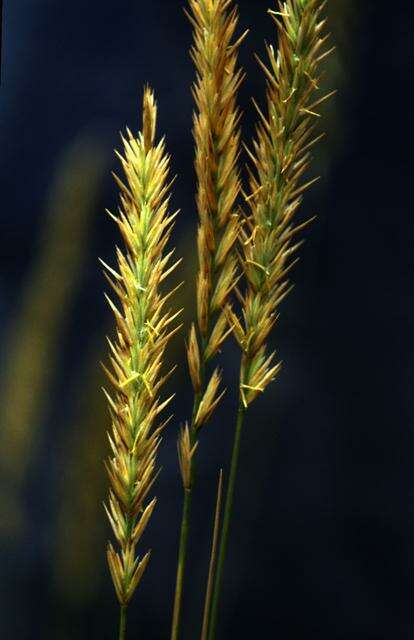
[193,357]
[217,137]
[143,328]
[280,157]
[209,401]
[185,454]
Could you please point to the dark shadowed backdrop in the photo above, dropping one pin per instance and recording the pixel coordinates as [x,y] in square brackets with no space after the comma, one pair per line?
[323,537]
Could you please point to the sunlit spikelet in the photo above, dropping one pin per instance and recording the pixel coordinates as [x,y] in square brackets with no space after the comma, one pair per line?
[193,357]
[209,401]
[217,138]
[185,454]
[143,328]
[279,159]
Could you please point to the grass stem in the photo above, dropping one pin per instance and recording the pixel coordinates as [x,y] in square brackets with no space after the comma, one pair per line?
[185,528]
[213,559]
[182,556]
[228,507]
[122,622]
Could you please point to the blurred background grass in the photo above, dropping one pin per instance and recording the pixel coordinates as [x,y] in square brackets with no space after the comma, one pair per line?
[325,534]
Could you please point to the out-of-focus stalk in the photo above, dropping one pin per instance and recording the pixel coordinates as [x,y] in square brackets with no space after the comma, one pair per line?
[34,344]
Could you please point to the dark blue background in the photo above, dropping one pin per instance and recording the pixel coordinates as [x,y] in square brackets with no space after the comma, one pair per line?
[323,537]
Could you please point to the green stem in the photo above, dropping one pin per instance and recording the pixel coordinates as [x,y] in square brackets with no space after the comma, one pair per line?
[122,622]
[185,528]
[226,523]
[182,556]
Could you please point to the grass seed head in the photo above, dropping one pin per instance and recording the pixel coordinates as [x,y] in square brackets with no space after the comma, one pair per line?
[143,327]
[217,141]
[279,158]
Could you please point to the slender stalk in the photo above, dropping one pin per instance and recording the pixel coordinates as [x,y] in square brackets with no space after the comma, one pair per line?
[228,507]
[213,559]
[185,525]
[122,622]
[182,556]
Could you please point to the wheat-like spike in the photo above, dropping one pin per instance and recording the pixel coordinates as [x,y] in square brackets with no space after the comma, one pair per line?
[280,156]
[217,141]
[143,329]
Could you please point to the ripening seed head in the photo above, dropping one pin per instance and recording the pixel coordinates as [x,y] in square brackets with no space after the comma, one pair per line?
[144,325]
[280,157]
